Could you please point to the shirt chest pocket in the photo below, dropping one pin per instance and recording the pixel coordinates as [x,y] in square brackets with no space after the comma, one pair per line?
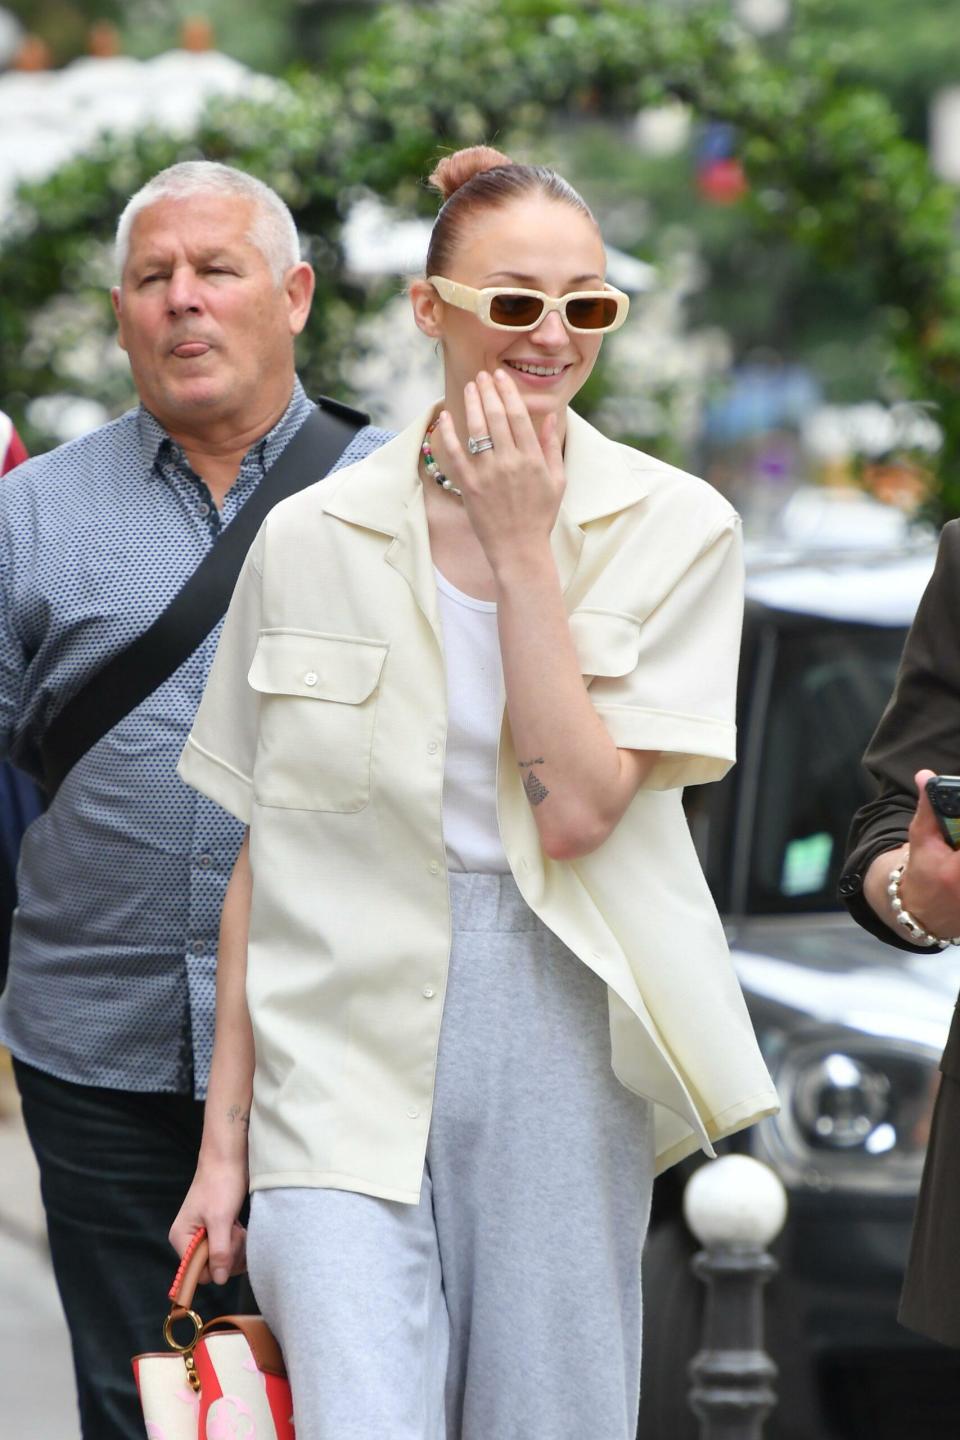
[607,643]
[318,706]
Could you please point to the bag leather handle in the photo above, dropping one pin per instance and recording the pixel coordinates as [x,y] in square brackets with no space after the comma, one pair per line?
[187,1278]
[263,1345]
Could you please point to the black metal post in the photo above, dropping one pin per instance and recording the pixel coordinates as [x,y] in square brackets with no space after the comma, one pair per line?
[732,1377]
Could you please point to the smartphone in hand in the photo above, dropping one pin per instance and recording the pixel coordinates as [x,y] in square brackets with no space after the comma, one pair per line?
[944,793]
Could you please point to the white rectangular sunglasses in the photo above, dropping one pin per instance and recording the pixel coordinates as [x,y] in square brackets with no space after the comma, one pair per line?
[594,312]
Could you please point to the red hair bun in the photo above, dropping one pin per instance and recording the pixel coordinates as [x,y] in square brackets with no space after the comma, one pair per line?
[455,170]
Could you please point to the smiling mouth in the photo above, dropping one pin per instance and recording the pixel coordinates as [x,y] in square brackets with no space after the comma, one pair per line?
[529,368]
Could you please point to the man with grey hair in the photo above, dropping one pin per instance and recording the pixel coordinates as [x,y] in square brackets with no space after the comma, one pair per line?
[108,547]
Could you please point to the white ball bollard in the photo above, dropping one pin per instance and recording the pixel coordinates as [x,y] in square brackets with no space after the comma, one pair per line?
[735,1201]
[735,1207]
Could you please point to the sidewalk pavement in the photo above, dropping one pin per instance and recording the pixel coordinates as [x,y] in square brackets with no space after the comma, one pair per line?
[36,1373]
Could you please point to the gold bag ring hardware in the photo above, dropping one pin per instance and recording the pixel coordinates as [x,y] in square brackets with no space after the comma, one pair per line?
[178,1313]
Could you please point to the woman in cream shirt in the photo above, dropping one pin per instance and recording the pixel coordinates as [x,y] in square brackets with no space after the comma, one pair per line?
[472,990]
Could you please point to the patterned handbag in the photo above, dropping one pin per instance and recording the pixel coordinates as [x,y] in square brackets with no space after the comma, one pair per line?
[227,1382]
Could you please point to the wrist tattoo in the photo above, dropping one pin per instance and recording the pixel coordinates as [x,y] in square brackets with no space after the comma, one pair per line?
[237,1115]
[525,764]
[537,792]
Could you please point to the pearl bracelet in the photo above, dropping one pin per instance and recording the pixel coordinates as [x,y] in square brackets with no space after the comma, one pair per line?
[914,929]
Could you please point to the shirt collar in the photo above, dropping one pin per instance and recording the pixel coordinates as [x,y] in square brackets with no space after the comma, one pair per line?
[154,438]
[602,478]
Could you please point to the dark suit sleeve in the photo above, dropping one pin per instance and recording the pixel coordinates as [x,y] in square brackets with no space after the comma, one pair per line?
[920,729]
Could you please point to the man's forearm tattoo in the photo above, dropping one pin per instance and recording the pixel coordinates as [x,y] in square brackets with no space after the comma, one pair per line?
[535,789]
[238,1116]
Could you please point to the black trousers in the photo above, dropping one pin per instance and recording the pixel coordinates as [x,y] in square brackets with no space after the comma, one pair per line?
[114,1168]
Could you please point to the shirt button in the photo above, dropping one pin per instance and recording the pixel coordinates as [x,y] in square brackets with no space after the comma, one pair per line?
[203,508]
[434,867]
[310,678]
[850,885]
[204,861]
[428,992]
[433,747]
[413,1113]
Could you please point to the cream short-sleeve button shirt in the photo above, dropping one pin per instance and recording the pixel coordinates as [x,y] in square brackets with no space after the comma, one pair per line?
[320,726]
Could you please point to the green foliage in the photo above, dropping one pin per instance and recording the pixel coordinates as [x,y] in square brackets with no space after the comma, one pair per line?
[828,165]
[905,51]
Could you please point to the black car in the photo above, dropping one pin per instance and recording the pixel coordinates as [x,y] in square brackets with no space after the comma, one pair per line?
[851,1029]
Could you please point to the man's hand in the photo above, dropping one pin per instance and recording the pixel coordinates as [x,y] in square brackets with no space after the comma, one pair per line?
[930,887]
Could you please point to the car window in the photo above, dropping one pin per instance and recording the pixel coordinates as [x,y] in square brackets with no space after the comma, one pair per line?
[830,684]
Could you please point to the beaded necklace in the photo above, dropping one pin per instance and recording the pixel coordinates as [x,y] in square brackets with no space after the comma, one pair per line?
[431,466]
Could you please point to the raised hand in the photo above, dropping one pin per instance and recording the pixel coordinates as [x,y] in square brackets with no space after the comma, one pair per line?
[930,888]
[512,492]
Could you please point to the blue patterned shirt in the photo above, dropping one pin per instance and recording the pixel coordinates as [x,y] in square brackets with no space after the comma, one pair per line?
[122,880]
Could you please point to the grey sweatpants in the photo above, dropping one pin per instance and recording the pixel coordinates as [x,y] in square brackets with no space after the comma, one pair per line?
[506,1305]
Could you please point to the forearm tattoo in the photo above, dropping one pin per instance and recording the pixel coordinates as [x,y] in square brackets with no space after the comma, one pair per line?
[535,789]
[238,1116]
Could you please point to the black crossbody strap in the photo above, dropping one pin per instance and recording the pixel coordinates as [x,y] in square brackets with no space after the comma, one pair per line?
[133,674]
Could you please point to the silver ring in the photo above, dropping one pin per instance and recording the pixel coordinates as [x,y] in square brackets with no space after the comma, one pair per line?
[477,447]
